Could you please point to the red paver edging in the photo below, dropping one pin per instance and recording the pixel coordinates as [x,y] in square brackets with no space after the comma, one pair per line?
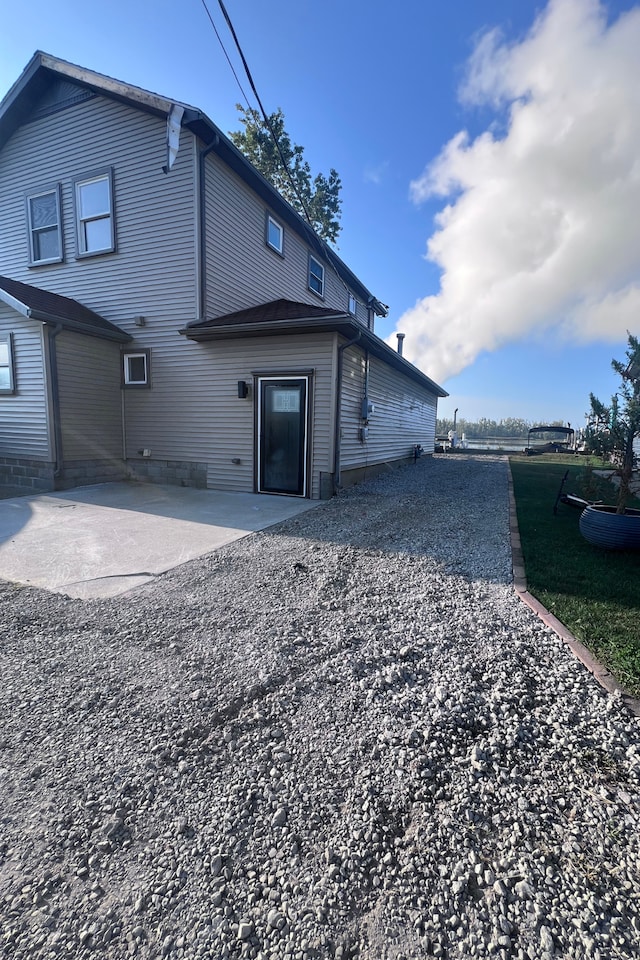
[595,668]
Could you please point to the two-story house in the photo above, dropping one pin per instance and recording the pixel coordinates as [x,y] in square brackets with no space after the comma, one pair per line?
[165,314]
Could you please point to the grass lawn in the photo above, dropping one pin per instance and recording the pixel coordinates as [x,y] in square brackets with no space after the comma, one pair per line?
[595,593]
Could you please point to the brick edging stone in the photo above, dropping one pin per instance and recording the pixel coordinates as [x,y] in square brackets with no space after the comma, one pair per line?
[604,677]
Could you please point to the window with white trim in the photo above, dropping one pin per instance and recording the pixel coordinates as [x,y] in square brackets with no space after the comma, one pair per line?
[45,228]
[316,276]
[352,305]
[275,235]
[7,377]
[94,214]
[135,368]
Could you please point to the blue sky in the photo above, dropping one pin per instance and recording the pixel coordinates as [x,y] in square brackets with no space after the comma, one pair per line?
[531,217]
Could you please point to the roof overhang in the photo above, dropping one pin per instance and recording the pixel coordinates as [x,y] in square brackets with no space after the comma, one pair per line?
[340,323]
[107,331]
[119,336]
[43,68]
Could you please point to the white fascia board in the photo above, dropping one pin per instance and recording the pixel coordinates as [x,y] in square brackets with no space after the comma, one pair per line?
[16,305]
[107,84]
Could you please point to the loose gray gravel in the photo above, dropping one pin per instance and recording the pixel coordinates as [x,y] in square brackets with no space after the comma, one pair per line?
[341,737]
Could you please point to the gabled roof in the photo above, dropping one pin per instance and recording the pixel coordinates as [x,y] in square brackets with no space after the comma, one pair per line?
[287,317]
[43,70]
[52,308]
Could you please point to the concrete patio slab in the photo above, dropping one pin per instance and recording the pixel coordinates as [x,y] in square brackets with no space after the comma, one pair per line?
[103,540]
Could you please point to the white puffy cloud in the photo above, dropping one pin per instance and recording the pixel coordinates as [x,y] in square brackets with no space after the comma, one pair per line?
[541,227]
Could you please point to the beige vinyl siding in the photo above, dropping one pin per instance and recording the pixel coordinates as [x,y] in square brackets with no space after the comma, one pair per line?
[353,375]
[215,426]
[152,273]
[405,413]
[191,411]
[362,312]
[89,390]
[235,220]
[24,425]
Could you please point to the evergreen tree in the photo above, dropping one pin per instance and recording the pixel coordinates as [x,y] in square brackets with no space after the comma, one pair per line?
[613,428]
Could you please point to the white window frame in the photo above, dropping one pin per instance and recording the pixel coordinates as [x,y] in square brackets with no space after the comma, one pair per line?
[126,370]
[78,184]
[318,276]
[33,230]
[272,246]
[353,306]
[7,339]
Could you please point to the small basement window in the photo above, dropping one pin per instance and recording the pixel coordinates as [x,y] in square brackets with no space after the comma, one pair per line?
[316,276]
[45,231]
[135,369]
[275,235]
[7,378]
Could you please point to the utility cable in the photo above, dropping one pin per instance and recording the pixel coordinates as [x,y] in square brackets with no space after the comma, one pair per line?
[263,112]
[325,250]
[215,30]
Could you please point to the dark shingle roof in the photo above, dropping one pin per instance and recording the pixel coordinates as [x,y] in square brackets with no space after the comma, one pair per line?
[54,308]
[268,312]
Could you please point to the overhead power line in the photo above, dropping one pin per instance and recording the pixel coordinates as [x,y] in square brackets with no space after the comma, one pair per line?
[263,111]
[327,251]
[224,50]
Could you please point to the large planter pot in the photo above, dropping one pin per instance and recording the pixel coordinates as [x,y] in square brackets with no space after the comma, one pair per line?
[603,527]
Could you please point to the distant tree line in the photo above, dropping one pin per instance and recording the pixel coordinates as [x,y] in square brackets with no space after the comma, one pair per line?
[477,429]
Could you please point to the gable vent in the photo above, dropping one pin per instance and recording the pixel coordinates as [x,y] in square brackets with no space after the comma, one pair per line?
[60,96]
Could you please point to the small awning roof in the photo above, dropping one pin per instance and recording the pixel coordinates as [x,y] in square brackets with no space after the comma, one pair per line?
[52,308]
[565,430]
[288,317]
[272,312]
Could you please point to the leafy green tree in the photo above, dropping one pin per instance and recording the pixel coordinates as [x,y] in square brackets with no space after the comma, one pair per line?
[319,196]
[613,428]
[514,427]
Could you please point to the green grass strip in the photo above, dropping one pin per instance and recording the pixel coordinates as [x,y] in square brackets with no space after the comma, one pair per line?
[595,593]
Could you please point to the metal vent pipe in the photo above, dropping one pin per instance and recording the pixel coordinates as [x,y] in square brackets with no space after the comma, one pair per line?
[400,337]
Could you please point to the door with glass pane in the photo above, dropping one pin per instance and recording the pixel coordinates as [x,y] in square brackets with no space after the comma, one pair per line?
[282,435]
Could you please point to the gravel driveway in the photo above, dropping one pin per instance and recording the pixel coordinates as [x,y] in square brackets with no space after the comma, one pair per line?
[341,737]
